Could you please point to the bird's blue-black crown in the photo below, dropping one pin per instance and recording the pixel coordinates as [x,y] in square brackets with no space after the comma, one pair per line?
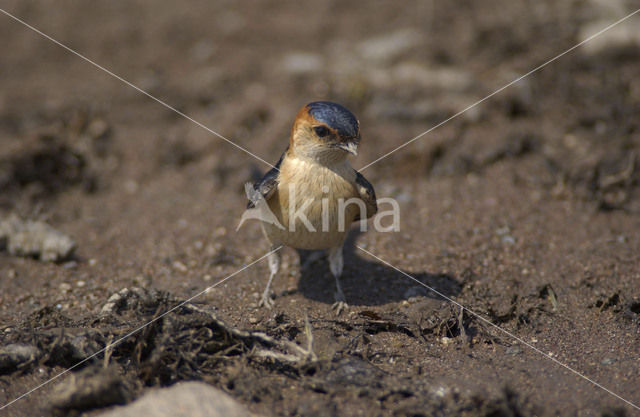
[335,116]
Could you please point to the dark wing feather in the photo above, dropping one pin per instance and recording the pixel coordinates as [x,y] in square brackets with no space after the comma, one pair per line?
[367,194]
[269,182]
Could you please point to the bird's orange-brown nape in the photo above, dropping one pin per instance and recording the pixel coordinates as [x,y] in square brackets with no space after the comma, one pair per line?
[304,118]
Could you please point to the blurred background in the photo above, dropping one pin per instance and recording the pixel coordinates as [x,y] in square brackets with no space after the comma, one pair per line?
[538,185]
[244,69]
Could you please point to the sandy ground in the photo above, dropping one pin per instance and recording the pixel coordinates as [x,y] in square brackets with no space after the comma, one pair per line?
[525,209]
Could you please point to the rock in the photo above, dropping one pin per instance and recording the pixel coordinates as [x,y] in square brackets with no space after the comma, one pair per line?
[302,63]
[350,372]
[608,361]
[17,356]
[514,350]
[34,238]
[194,399]
[444,78]
[416,291]
[625,34]
[82,346]
[389,46]
[128,299]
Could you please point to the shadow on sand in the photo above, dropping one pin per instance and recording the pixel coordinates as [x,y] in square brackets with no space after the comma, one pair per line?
[367,281]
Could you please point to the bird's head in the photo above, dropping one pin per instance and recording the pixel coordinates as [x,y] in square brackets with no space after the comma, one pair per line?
[326,132]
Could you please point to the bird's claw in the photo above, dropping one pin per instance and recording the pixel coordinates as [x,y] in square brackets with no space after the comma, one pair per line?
[339,307]
[266,301]
[341,302]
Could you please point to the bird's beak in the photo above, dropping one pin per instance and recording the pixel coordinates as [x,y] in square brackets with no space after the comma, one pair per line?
[351,147]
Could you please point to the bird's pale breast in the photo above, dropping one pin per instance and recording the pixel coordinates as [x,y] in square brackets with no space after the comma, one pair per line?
[314,191]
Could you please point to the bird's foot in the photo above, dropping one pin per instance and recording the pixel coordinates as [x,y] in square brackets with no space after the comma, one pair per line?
[339,307]
[341,302]
[266,301]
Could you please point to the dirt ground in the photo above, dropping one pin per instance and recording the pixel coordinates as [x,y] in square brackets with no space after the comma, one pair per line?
[525,209]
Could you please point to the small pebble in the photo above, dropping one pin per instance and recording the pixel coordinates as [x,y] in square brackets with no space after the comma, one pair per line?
[179,266]
[130,186]
[509,240]
[416,291]
[301,63]
[98,128]
[514,350]
[502,231]
[70,264]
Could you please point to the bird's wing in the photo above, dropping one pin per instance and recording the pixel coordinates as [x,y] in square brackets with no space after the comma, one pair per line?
[367,194]
[269,182]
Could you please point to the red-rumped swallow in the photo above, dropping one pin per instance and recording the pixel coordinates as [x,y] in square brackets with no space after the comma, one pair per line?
[313,194]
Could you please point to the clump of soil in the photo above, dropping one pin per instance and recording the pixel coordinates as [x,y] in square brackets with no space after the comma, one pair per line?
[111,364]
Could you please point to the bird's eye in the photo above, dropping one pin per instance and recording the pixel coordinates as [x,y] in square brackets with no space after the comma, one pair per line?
[321,131]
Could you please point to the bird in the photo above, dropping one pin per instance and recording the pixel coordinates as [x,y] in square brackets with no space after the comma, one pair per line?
[312,194]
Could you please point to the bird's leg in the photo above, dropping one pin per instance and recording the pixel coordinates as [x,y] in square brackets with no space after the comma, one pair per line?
[274,267]
[336,263]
